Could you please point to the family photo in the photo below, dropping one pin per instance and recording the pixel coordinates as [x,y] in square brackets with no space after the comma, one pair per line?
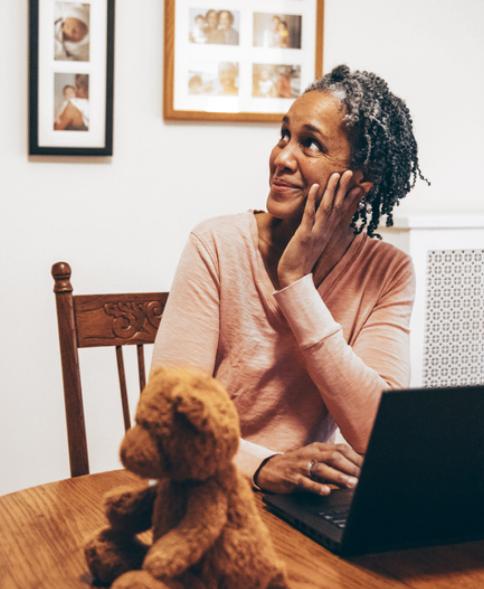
[214,79]
[71,103]
[277,30]
[276,81]
[218,27]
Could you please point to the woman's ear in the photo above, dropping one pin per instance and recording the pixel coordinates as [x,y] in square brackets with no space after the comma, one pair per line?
[360,180]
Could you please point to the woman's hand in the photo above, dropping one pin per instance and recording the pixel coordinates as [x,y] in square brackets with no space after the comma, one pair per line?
[315,468]
[319,226]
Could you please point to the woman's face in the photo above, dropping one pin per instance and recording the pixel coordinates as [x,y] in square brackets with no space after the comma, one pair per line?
[227,75]
[224,20]
[212,19]
[312,146]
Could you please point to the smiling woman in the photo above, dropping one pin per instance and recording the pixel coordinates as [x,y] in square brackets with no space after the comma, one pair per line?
[313,150]
[298,312]
[313,144]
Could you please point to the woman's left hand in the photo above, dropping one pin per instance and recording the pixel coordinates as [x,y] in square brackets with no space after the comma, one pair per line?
[319,226]
[317,468]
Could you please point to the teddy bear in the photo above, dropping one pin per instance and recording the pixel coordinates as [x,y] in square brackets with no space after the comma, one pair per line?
[207,531]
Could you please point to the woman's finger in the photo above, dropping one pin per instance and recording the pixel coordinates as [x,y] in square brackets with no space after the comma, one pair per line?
[343,188]
[329,194]
[306,480]
[310,208]
[340,462]
[348,451]
[304,483]
[324,472]
[341,456]
[317,448]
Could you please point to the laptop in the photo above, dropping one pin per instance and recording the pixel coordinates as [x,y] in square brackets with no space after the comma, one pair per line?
[421,483]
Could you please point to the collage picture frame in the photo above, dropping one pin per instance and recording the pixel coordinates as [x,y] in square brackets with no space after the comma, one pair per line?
[71,75]
[239,60]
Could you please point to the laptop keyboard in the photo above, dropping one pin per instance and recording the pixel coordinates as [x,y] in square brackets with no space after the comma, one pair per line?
[337,517]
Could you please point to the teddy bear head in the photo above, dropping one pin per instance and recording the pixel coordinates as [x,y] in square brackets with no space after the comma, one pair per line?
[186,427]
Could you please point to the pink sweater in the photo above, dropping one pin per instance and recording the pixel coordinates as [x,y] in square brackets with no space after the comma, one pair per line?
[297,362]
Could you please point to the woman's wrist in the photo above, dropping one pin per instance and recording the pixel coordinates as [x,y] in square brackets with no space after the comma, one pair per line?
[256,477]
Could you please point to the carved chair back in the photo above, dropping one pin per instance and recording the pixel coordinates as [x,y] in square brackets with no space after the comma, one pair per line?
[84,321]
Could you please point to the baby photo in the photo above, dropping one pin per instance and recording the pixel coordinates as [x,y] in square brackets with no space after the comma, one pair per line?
[276,81]
[277,30]
[71,102]
[217,79]
[71,31]
[214,26]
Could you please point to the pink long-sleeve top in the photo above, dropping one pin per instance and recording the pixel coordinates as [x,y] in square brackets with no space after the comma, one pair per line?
[297,362]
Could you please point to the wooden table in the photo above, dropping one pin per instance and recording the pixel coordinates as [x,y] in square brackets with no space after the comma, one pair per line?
[42,531]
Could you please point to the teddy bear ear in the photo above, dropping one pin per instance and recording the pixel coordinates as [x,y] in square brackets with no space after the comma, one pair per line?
[196,411]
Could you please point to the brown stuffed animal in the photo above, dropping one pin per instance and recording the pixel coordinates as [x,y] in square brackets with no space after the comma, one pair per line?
[207,532]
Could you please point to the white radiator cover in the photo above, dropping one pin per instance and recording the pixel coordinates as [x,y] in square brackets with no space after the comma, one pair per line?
[454,318]
[447,327]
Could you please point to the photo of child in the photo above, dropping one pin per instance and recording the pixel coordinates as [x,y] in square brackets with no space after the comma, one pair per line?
[277,30]
[220,79]
[71,31]
[214,26]
[276,81]
[71,102]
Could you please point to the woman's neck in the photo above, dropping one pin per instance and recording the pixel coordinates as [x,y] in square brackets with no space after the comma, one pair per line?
[277,233]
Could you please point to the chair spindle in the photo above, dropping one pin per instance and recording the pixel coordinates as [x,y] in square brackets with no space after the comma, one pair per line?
[122,387]
[141,367]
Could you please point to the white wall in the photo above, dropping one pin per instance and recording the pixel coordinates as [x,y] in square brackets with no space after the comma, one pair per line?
[121,222]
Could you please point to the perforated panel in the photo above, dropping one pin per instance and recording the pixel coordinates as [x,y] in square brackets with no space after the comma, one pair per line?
[454,318]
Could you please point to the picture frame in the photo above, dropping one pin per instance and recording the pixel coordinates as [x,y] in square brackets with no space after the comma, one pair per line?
[246,66]
[71,77]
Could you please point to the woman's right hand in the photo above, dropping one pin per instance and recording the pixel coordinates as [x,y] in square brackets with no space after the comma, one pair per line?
[316,468]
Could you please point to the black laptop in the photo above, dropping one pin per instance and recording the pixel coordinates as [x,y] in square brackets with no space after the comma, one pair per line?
[422,480]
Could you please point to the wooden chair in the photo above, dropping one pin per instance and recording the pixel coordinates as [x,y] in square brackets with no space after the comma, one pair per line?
[86,321]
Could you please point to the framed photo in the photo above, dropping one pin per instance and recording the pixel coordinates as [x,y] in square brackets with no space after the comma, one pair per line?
[71,77]
[239,60]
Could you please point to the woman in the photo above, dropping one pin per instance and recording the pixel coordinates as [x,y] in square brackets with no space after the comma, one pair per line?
[299,313]
[228,35]
[283,32]
[211,28]
[283,82]
[227,78]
